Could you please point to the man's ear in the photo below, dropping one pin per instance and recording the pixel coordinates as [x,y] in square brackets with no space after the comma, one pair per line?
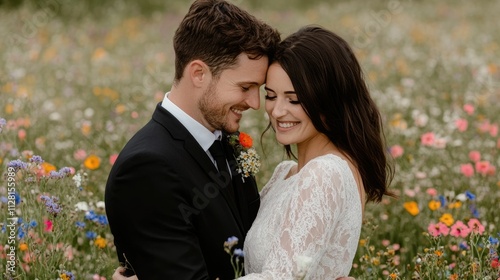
[198,72]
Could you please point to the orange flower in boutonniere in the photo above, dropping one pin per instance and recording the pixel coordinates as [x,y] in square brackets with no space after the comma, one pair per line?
[245,140]
[246,156]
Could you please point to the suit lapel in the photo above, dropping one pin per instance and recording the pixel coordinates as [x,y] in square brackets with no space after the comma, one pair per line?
[179,132]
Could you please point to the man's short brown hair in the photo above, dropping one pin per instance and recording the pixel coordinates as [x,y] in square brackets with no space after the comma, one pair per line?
[216,32]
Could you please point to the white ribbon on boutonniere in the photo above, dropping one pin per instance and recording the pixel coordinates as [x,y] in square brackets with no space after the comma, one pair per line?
[246,156]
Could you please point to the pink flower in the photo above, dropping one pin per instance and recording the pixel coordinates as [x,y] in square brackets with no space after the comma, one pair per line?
[475,156]
[440,143]
[98,277]
[48,225]
[112,158]
[475,226]
[461,124]
[438,229]
[482,167]
[432,191]
[427,139]
[21,134]
[459,229]
[467,170]
[484,126]
[492,170]
[396,151]
[80,154]
[386,242]
[494,130]
[469,109]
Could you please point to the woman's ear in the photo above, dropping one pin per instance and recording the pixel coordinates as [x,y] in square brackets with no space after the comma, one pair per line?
[198,72]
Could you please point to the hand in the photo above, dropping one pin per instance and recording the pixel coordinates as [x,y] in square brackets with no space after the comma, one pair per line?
[341,278]
[118,275]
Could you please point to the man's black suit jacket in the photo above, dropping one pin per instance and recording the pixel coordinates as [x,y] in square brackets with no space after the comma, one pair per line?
[167,208]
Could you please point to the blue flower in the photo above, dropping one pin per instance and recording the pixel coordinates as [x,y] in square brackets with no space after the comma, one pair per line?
[102,220]
[20,233]
[32,224]
[80,224]
[91,235]
[442,200]
[492,240]
[17,198]
[470,195]
[474,211]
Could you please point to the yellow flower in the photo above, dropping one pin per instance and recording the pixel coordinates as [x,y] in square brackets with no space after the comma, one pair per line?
[411,207]
[92,162]
[9,109]
[362,242]
[447,219]
[434,205]
[100,242]
[456,204]
[23,247]
[438,253]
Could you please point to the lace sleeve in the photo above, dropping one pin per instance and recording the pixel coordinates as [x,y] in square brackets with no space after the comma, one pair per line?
[322,223]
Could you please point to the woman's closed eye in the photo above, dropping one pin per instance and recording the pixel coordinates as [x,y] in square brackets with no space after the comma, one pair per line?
[270,97]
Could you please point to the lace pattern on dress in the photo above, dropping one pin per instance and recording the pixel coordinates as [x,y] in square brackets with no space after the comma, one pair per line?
[315,213]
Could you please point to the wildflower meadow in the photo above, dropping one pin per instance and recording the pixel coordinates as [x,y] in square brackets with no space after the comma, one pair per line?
[78,79]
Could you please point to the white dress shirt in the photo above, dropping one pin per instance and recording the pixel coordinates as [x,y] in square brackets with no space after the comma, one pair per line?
[201,134]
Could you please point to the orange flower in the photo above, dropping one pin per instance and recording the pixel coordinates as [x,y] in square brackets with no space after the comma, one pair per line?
[100,242]
[23,247]
[393,275]
[92,162]
[47,167]
[245,140]
[434,205]
[447,219]
[411,207]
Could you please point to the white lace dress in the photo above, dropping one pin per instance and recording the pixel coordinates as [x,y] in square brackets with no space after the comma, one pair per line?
[315,214]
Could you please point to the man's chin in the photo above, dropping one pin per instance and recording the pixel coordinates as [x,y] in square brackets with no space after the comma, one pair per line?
[232,128]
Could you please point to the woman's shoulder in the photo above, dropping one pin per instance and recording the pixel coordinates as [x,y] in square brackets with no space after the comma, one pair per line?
[328,163]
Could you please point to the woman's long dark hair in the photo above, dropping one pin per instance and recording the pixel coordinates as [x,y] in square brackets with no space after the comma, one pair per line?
[329,84]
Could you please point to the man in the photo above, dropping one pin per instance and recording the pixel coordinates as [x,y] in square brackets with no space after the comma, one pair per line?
[170,203]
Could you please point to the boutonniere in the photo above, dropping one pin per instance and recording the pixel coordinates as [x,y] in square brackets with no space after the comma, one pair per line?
[246,156]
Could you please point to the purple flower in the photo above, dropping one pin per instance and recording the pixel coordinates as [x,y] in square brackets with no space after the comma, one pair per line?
[36,159]
[17,164]
[51,204]
[232,239]
[3,122]
[239,253]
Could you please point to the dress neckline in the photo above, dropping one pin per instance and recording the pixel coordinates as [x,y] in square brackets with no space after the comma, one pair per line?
[294,163]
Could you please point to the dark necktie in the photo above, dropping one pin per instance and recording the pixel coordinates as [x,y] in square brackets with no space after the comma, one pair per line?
[217,152]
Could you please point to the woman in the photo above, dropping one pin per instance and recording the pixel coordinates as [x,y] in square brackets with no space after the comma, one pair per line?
[312,209]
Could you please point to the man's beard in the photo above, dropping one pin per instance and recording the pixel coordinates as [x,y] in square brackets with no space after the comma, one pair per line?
[213,111]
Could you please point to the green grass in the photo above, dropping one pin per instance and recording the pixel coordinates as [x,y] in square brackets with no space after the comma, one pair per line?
[86,76]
